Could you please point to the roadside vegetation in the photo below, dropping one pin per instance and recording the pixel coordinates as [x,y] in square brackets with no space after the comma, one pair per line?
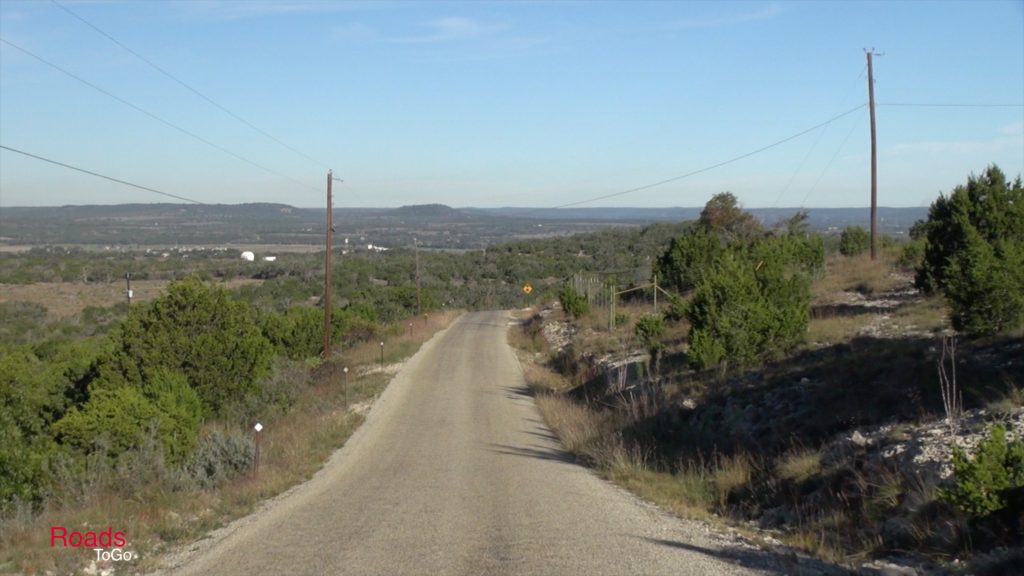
[799,391]
[147,425]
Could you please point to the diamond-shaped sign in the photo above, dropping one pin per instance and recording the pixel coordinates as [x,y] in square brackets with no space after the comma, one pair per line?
[258,427]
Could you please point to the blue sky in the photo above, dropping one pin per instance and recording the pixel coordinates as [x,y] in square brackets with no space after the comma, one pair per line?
[507,103]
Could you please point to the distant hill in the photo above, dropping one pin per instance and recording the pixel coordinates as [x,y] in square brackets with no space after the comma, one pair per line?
[891,220]
[429,225]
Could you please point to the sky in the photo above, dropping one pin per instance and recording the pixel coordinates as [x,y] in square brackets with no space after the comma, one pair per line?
[490,104]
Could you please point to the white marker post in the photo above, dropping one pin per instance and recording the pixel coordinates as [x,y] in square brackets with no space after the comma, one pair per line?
[256,467]
[344,385]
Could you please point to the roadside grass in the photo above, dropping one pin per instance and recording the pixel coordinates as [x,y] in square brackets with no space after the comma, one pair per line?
[64,300]
[798,465]
[583,431]
[857,274]
[160,508]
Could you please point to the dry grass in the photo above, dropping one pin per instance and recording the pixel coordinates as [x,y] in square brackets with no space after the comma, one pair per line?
[929,314]
[835,329]
[798,465]
[857,274]
[542,379]
[688,494]
[66,299]
[581,430]
[731,473]
[400,341]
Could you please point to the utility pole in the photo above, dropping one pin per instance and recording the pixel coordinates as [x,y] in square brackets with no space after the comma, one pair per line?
[327,267]
[874,155]
[419,305]
[128,280]
[655,293]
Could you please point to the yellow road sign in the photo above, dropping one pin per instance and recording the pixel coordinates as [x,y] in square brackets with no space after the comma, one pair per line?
[527,288]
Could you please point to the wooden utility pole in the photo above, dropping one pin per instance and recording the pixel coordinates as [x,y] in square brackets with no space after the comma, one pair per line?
[327,268]
[874,156]
[419,305]
[128,280]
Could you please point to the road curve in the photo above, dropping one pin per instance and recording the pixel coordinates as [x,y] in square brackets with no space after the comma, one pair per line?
[454,472]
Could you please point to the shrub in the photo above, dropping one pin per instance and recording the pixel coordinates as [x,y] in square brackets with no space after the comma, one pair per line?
[746,312]
[649,329]
[985,285]
[989,204]
[974,252]
[723,216]
[220,457]
[853,241]
[198,330]
[296,333]
[574,303]
[119,418]
[980,483]
[911,255]
[683,264]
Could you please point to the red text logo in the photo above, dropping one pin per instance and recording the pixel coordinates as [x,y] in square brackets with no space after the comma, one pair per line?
[88,539]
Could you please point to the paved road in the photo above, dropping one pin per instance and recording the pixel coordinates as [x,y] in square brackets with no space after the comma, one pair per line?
[454,472]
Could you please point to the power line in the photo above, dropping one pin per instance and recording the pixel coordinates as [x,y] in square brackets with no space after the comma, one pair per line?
[98,175]
[792,178]
[953,105]
[154,116]
[713,166]
[184,85]
[830,161]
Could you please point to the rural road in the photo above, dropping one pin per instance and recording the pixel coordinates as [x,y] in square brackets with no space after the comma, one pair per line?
[454,472]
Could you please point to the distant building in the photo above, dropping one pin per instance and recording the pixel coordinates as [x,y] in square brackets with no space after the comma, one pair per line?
[248,256]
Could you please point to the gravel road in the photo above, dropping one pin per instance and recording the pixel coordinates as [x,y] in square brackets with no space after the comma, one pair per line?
[454,472]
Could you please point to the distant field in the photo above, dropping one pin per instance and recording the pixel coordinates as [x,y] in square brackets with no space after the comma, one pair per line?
[263,249]
[65,299]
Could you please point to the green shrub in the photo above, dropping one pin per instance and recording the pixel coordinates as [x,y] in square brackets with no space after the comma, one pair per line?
[297,333]
[853,241]
[744,312]
[23,463]
[649,329]
[198,330]
[574,303]
[119,418]
[980,483]
[989,203]
[911,255]
[974,253]
[683,264]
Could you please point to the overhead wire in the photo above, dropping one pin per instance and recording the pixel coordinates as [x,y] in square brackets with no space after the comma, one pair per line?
[154,116]
[188,87]
[830,161]
[949,105]
[98,175]
[814,145]
[708,168]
